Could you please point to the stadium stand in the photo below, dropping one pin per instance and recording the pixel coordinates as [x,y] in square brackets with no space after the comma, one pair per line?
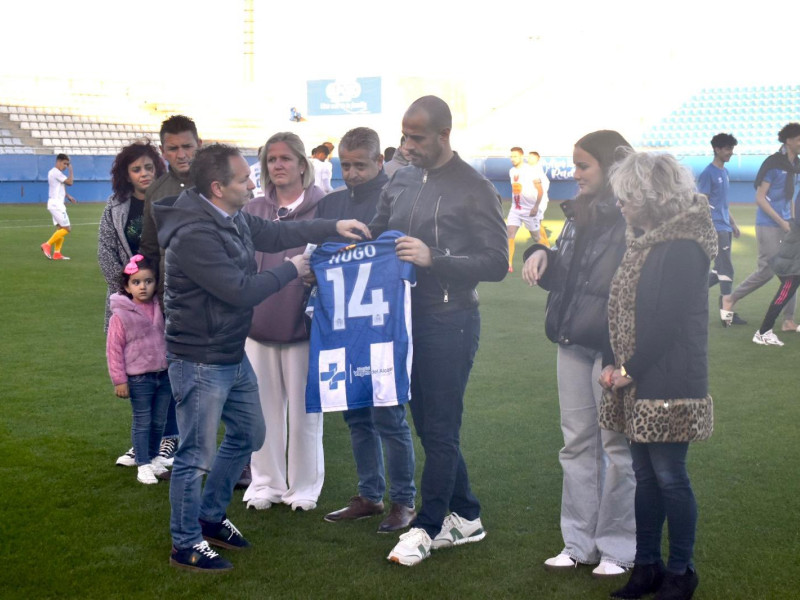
[41,130]
[753,114]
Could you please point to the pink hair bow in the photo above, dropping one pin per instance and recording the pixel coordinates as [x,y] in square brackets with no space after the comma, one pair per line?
[132,267]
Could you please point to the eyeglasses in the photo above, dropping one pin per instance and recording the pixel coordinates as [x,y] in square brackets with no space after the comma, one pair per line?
[282,213]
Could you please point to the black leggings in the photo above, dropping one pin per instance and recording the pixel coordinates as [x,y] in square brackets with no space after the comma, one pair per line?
[785,292]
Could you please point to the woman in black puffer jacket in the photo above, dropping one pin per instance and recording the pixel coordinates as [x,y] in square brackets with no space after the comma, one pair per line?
[597,518]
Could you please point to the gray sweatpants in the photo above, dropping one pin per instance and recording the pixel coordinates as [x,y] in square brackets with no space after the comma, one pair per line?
[769,242]
[597,515]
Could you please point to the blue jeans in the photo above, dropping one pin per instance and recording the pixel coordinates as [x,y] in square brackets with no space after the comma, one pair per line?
[664,492]
[444,348]
[150,397]
[206,394]
[171,428]
[368,428]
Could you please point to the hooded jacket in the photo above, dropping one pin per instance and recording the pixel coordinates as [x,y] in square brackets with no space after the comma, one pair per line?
[456,212]
[137,346]
[212,281]
[279,318]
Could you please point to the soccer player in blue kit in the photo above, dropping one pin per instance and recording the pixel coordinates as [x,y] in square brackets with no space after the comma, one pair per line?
[714,182]
[456,237]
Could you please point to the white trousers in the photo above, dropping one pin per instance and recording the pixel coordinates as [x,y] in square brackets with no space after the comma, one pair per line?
[290,466]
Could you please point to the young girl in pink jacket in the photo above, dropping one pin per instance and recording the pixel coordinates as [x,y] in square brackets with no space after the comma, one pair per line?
[137,362]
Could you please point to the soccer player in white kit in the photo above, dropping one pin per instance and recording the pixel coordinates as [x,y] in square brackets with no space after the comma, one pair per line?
[528,200]
[57,193]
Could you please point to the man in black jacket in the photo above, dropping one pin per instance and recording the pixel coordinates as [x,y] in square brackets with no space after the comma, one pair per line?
[456,237]
[212,284]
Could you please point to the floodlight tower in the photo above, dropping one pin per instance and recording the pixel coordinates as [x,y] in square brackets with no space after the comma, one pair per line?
[248,38]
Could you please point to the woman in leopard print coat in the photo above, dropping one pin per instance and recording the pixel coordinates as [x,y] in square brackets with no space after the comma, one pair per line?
[657,384]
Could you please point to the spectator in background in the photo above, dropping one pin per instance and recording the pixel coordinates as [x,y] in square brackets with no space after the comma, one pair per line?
[533,158]
[656,378]
[388,153]
[775,185]
[374,428]
[134,170]
[714,182]
[597,518]
[179,143]
[398,161]
[290,466]
[322,169]
[57,192]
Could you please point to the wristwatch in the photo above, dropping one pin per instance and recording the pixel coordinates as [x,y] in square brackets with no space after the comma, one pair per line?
[623,372]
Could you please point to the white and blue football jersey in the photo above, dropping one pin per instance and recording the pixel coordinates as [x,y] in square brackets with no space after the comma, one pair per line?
[361,345]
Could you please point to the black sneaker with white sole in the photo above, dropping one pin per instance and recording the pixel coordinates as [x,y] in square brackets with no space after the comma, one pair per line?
[199,558]
[167,450]
[224,535]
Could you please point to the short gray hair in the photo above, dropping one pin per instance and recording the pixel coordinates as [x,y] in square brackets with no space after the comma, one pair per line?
[653,183]
[362,138]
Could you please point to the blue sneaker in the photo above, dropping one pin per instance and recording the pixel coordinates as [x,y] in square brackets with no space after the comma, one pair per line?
[224,535]
[200,558]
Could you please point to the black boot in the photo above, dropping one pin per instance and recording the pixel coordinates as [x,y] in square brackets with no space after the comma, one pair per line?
[678,587]
[645,579]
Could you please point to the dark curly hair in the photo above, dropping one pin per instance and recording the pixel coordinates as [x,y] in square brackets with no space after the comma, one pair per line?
[120,183]
[789,130]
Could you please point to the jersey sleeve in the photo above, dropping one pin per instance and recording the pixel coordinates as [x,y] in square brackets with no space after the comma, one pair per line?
[704,183]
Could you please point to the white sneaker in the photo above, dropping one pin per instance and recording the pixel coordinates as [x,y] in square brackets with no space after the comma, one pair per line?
[414,547]
[456,531]
[259,504]
[303,505]
[162,462]
[127,460]
[158,468]
[608,569]
[562,561]
[146,475]
[767,339]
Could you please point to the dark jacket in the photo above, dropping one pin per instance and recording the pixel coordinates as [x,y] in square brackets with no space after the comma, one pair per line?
[279,318]
[658,305]
[212,281]
[786,262]
[671,359]
[577,306]
[455,211]
[359,202]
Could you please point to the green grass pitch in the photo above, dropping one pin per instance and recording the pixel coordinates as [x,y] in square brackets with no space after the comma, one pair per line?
[75,526]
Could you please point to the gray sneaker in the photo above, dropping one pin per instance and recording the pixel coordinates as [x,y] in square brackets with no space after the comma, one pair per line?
[457,530]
